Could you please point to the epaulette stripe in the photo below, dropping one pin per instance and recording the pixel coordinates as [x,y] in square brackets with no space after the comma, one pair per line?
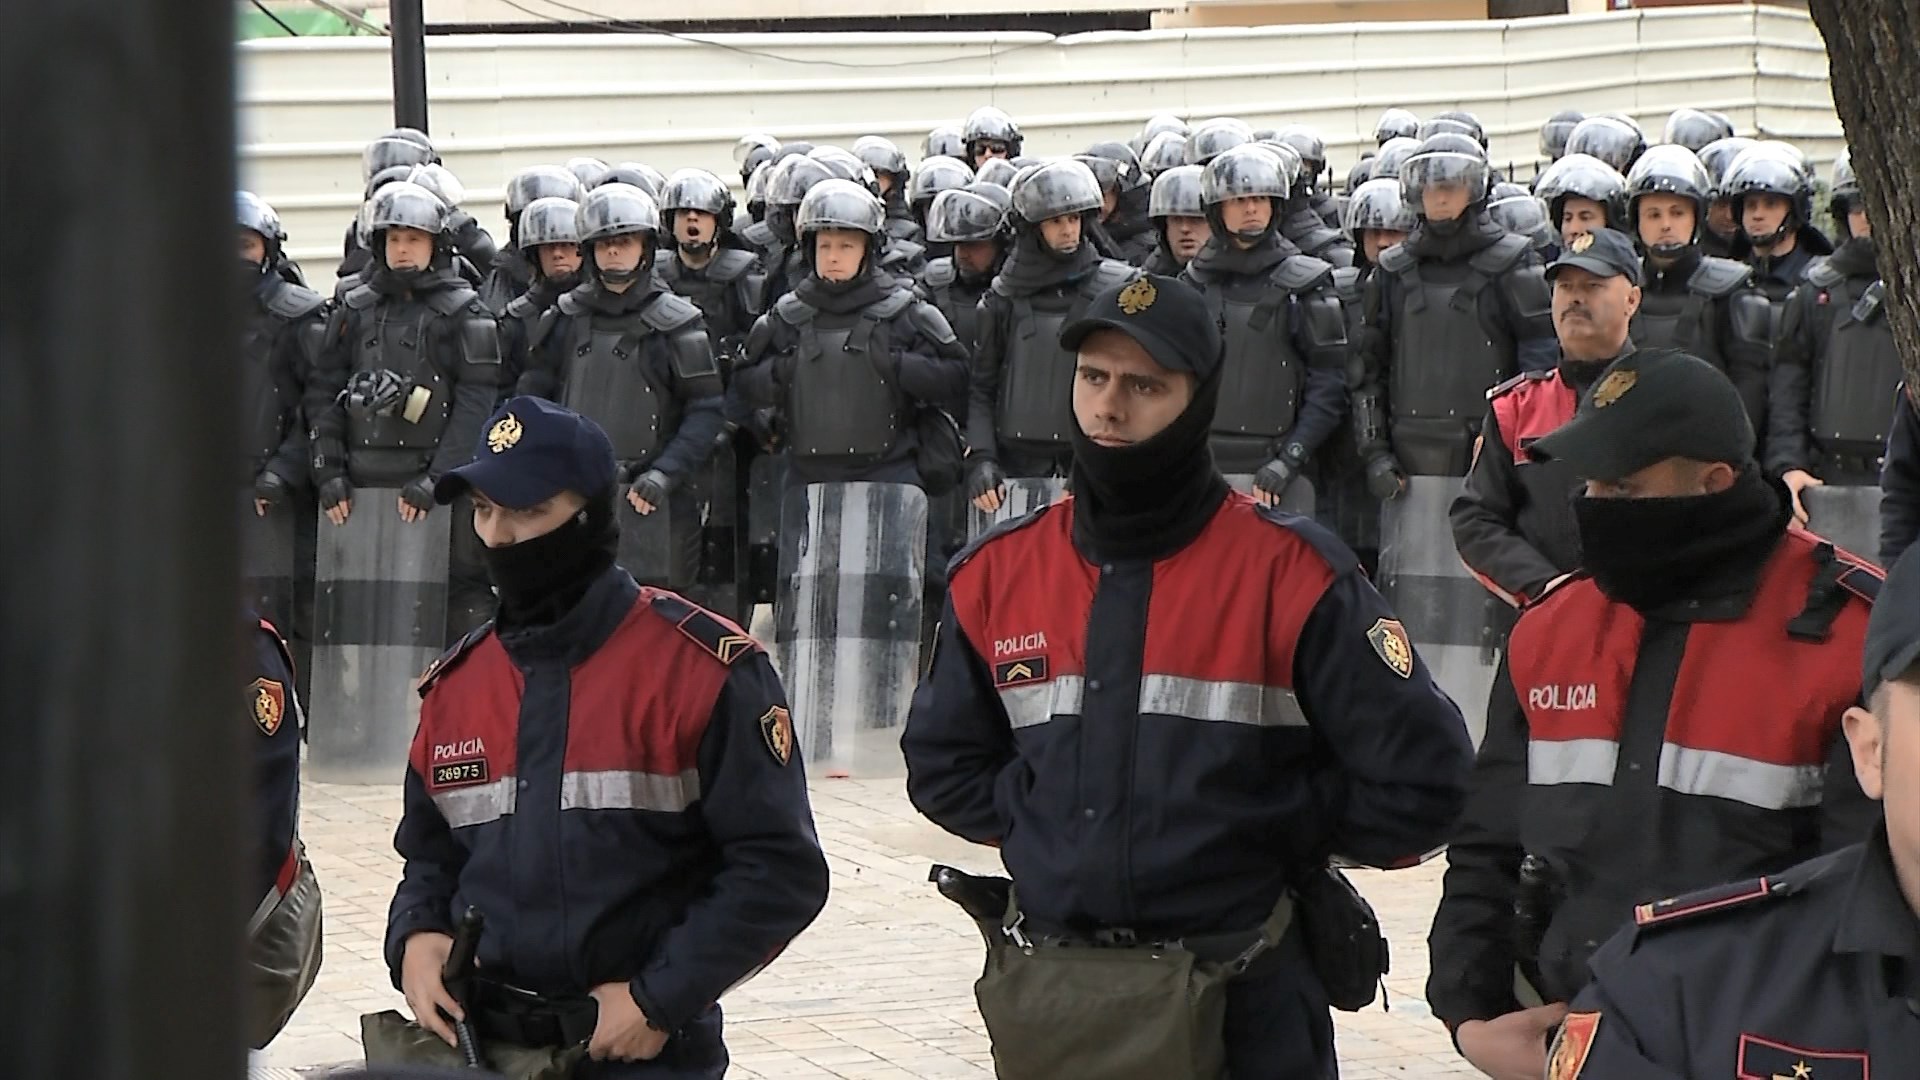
[1667,910]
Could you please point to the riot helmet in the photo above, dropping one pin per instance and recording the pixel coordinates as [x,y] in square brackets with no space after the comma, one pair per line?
[612,210]
[1056,189]
[1521,212]
[843,164]
[1553,133]
[540,182]
[989,129]
[1164,151]
[1216,137]
[1394,154]
[996,171]
[1176,193]
[588,170]
[1587,177]
[753,149]
[1845,189]
[1376,204]
[840,204]
[1131,176]
[1312,149]
[943,141]
[390,151]
[697,189]
[792,179]
[1395,124]
[549,220]
[937,174]
[440,180]
[1158,125]
[1445,161]
[1694,129]
[387,176]
[958,216]
[1454,122]
[253,213]
[1765,170]
[404,205]
[993,193]
[1246,172]
[757,191]
[1608,138]
[881,155]
[637,174]
[1718,156]
[1669,169]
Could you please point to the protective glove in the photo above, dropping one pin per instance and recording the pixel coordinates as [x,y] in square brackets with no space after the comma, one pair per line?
[270,489]
[418,493]
[983,475]
[334,492]
[1384,478]
[652,487]
[1275,475]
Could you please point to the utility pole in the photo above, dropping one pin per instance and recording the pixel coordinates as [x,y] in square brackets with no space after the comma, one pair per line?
[407,29]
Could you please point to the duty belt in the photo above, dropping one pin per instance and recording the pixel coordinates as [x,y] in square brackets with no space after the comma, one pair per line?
[510,1014]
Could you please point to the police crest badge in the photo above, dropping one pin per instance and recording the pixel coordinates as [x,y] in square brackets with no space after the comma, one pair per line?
[776,727]
[267,701]
[505,433]
[1581,243]
[1572,1045]
[1138,297]
[1613,388]
[1389,639]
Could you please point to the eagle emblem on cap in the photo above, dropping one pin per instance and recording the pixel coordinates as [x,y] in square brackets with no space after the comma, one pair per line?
[505,433]
[1613,388]
[1582,242]
[1138,296]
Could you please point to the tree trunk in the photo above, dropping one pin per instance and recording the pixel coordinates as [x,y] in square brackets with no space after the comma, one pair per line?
[1873,54]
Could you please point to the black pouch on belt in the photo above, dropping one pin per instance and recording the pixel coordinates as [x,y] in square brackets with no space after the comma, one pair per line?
[1343,938]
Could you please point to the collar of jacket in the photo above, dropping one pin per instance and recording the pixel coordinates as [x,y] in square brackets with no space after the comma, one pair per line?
[580,632]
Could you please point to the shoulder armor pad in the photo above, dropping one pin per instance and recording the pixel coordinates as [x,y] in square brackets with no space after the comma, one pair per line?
[730,263]
[1707,901]
[1502,254]
[1346,278]
[361,297]
[570,304]
[1296,273]
[523,306]
[904,250]
[1329,547]
[449,301]
[1011,525]
[669,311]
[721,639]
[794,311]
[1718,277]
[1519,380]
[929,321]
[757,234]
[1824,274]
[891,304]
[1397,259]
[452,657]
[940,273]
[295,302]
[1113,272]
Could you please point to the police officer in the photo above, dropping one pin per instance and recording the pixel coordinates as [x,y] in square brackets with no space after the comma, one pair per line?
[1553,133]
[1582,194]
[1513,520]
[1303,219]
[410,368]
[1376,220]
[1723,229]
[1692,301]
[1429,355]
[285,327]
[1179,220]
[1520,212]
[1836,366]
[514,270]
[1395,123]
[890,171]
[390,157]
[1695,129]
[1615,140]
[1806,973]
[548,240]
[1125,231]
[976,228]
[785,260]
[633,859]
[934,176]
[1773,204]
[850,357]
[626,352]
[1308,191]
[1215,137]
[706,263]
[990,133]
[1663,720]
[1022,379]
[752,151]
[943,141]
[1077,692]
[1900,480]
[1164,151]
[1284,370]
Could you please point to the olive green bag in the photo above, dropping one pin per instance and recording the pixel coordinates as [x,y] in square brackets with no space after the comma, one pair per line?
[392,1039]
[283,955]
[1108,1012]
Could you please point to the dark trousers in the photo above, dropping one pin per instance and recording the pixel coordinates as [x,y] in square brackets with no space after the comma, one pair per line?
[695,1052]
[1278,1026]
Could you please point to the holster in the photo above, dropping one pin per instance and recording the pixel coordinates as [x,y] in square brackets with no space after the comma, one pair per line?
[1343,938]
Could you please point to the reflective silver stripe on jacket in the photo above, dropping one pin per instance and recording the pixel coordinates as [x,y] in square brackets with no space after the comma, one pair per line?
[1220,702]
[620,790]
[1033,704]
[1573,761]
[1729,776]
[476,805]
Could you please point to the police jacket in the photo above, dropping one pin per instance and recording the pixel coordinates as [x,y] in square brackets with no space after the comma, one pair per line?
[1814,972]
[726,290]
[1900,480]
[273,720]
[1161,745]
[520,321]
[1833,368]
[610,824]
[1710,308]
[1643,756]
[444,344]
[1512,521]
[639,364]
[280,349]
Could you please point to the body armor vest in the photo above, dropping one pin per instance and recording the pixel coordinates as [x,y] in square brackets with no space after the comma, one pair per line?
[1036,375]
[1857,371]
[842,403]
[264,417]
[957,300]
[392,336]
[607,379]
[1667,320]
[1261,378]
[1445,359]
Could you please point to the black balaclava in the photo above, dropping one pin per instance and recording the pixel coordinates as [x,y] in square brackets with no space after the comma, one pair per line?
[542,579]
[1471,232]
[867,285]
[1649,553]
[1032,265]
[1150,499]
[387,281]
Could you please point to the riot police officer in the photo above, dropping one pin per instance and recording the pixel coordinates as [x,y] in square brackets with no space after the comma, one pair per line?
[990,133]
[626,352]
[1772,200]
[1460,307]
[1179,220]
[1835,368]
[752,151]
[1521,212]
[850,358]
[1164,151]
[1125,231]
[285,326]
[890,171]
[1723,229]
[785,259]
[388,158]
[514,270]
[943,141]
[900,256]
[1377,219]
[548,240]
[706,263]
[1613,139]
[1283,373]
[1553,133]
[1695,129]
[1582,194]
[410,370]
[1016,409]
[1308,190]
[976,228]
[1705,305]
[1215,137]
[1303,219]
[1395,123]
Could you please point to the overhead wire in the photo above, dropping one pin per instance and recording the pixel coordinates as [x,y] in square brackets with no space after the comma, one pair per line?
[277,20]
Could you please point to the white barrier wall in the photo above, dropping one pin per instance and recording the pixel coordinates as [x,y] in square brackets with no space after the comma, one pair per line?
[501,103]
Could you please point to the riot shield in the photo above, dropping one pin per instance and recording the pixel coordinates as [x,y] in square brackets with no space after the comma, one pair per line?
[380,617]
[1297,499]
[718,490]
[267,564]
[1451,617]
[766,488]
[1025,494]
[847,622]
[1848,516]
[646,543]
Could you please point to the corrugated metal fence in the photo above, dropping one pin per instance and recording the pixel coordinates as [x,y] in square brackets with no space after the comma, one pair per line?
[501,103]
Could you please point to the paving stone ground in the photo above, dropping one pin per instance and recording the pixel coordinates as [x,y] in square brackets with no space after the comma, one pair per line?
[880,988]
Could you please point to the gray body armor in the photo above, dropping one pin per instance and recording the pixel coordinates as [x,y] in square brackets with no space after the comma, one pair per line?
[1674,321]
[1264,375]
[1445,356]
[394,337]
[606,376]
[730,271]
[266,418]
[1857,368]
[842,402]
[1035,405]
[957,300]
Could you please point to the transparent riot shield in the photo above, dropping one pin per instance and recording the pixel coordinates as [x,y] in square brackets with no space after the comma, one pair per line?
[1297,499]
[1452,618]
[267,565]
[847,620]
[718,489]
[1024,495]
[766,489]
[646,543]
[1848,516]
[380,617]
